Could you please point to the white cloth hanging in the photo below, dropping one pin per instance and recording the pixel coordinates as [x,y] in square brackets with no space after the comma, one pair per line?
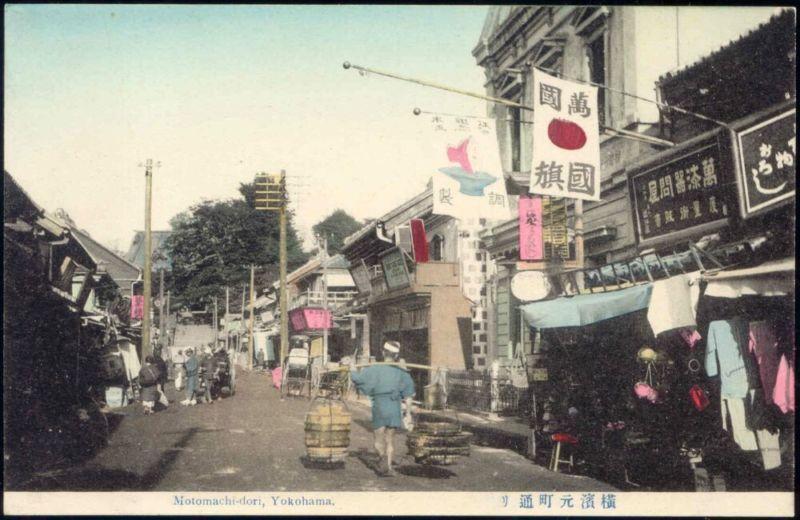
[673,303]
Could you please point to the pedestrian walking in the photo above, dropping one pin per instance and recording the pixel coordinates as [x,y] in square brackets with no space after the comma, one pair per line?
[387,386]
[162,377]
[192,367]
[148,379]
[209,375]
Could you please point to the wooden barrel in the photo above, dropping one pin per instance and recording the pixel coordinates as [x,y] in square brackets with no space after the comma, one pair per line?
[327,431]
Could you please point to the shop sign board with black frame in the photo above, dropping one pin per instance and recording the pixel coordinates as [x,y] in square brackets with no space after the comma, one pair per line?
[766,162]
[395,270]
[360,275]
[685,191]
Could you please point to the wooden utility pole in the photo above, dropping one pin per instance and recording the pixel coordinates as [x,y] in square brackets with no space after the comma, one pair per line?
[284,303]
[216,325]
[324,245]
[167,312]
[575,67]
[252,317]
[148,258]
[162,329]
[271,195]
[227,316]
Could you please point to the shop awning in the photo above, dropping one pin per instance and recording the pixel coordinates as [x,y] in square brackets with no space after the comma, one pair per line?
[769,279]
[585,309]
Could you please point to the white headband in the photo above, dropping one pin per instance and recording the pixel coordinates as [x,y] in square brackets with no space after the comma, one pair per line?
[390,348]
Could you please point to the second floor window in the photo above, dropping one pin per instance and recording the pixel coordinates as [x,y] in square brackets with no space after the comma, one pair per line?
[437,248]
[515,128]
[596,57]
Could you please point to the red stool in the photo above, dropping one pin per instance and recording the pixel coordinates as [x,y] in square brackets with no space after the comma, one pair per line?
[555,455]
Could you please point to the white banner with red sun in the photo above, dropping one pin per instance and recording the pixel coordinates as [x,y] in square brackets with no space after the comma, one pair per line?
[465,163]
[566,139]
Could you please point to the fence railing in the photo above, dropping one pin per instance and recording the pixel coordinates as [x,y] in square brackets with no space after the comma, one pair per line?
[473,390]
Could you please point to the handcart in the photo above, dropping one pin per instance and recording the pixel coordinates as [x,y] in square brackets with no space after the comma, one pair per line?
[296,373]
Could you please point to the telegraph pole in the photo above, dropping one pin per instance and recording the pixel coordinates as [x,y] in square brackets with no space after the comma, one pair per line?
[284,303]
[216,325]
[148,258]
[271,196]
[324,245]
[227,316]
[252,317]
[162,329]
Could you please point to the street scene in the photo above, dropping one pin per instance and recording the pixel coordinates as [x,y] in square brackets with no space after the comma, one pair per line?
[543,252]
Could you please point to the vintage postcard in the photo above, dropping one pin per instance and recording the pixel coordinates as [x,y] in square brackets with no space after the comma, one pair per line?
[514,260]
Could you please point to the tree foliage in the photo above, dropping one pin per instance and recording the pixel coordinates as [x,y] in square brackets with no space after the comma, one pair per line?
[214,243]
[336,227]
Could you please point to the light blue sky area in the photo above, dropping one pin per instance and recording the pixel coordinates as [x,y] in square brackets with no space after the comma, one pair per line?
[217,93]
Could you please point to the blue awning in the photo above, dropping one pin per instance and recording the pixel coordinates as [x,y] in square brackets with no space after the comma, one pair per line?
[585,309]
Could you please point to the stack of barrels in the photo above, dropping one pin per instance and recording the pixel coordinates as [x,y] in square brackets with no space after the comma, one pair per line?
[437,443]
[327,430]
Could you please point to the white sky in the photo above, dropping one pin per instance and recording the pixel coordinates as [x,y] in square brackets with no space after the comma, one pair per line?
[217,93]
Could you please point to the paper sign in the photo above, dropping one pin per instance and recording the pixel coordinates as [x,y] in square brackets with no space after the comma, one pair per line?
[137,307]
[465,163]
[566,139]
[531,246]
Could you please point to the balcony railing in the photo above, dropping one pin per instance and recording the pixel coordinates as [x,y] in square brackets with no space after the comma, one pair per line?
[316,298]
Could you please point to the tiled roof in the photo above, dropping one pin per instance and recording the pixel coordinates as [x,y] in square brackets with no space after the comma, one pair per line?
[733,47]
[119,269]
[135,253]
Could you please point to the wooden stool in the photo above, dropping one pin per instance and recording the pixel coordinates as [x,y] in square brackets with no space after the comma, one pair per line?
[555,455]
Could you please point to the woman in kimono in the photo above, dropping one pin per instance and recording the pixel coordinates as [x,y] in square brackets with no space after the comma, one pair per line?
[387,386]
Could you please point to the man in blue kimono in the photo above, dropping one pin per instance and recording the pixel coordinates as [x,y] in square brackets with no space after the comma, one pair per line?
[387,386]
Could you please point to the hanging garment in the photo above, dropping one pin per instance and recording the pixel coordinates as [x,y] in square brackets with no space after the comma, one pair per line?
[764,346]
[783,393]
[724,356]
[733,408]
[673,304]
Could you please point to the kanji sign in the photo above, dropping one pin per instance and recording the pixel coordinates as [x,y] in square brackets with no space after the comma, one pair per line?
[766,162]
[395,270]
[566,139]
[465,162]
[690,190]
[531,246]
[555,236]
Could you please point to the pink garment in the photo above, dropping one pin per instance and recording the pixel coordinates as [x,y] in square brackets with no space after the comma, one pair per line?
[691,337]
[783,394]
[277,376]
[764,345]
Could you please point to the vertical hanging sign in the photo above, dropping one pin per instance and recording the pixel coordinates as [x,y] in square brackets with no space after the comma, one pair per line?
[531,246]
[566,139]
[137,307]
[465,163]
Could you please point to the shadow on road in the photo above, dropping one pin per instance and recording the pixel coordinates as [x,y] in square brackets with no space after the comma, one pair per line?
[309,463]
[102,479]
[418,470]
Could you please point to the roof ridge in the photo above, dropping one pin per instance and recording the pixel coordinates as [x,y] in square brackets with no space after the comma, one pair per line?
[75,231]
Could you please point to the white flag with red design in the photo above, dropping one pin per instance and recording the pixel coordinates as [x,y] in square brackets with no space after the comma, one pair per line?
[566,139]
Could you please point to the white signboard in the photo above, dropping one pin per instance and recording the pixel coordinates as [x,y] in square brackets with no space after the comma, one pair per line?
[465,163]
[566,139]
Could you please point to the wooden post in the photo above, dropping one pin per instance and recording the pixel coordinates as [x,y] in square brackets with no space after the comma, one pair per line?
[162,329]
[252,317]
[227,316]
[216,325]
[324,244]
[284,307]
[148,260]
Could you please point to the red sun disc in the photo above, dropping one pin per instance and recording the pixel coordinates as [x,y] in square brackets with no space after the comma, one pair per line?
[566,134]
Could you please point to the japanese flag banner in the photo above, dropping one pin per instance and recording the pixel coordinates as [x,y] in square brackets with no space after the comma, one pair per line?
[465,163]
[566,139]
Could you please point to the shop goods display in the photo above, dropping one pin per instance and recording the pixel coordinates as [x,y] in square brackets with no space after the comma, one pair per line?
[437,443]
[327,431]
